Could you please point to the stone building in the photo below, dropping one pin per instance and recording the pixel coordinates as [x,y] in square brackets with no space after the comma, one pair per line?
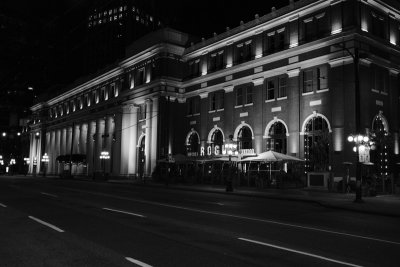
[285,81]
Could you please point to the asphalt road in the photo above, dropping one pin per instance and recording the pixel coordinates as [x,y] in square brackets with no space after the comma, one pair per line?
[52,222]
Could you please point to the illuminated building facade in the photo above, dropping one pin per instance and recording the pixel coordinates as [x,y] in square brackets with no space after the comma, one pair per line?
[284,81]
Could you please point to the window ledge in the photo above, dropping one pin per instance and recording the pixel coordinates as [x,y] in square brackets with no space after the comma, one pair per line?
[374,90]
[239,106]
[188,116]
[196,114]
[323,90]
[269,100]
[218,110]
[211,111]
[247,105]
[384,93]
[308,93]
[142,120]
[282,98]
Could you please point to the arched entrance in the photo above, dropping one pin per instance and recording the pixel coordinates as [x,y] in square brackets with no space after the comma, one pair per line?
[192,144]
[142,157]
[245,138]
[217,139]
[381,155]
[316,144]
[276,139]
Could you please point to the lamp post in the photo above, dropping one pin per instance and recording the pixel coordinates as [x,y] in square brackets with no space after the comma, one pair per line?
[27,162]
[45,160]
[104,155]
[362,146]
[231,148]
[12,163]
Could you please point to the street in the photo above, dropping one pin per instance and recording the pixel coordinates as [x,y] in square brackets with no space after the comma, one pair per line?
[55,222]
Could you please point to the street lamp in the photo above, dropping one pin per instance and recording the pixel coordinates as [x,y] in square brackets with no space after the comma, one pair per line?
[45,160]
[362,146]
[12,162]
[231,148]
[104,155]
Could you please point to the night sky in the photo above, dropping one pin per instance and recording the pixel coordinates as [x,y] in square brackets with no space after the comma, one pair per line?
[36,34]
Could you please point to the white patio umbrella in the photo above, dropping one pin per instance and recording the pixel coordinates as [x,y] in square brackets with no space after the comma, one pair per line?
[271,156]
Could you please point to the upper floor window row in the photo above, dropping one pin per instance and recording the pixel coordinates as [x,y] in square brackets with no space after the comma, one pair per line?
[141,75]
[86,100]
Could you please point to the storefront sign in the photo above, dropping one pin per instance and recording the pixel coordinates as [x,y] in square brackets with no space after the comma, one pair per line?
[217,150]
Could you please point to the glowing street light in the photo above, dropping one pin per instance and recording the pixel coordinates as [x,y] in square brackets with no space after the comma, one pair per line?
[45,160]
[104,155]
[362,146]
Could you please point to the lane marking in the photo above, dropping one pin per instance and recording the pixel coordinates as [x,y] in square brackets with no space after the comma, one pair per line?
[299,252]
[48,194]
[2,205]
[47,224]
[241,217]
[125,212]
[137,262]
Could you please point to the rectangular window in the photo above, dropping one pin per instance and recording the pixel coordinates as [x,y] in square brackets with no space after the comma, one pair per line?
[193,106]
[195,68]
[213,101]
[239,54]
[139,79]
[249,95]
[216,100]
[248,55]
[270,89]
[378,25]
[131,81]
[280,40]
[309,30]
[322,25]
[220,60]
[271,43]
[142,112]
[322,75]
[239,97]
[307,81]
[212,63]
[220,100]
[282,87]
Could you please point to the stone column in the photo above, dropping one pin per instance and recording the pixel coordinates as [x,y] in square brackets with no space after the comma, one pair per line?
[99,143]
[107,139]
[117,162]
[154,136]
[90,145]
[58,150]
[31,144]
[52,153]
[133,140]
[147,171]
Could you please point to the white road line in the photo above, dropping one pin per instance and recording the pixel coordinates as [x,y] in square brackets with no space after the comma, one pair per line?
[242,217]
[137,262]
[47,224]
[300,252]
[2,205]
[47,194]
[125,212]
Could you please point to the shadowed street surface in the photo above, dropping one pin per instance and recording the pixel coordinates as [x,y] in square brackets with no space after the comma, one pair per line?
[54,222]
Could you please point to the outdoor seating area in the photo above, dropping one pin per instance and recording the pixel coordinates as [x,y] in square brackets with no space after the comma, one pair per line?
[268,169]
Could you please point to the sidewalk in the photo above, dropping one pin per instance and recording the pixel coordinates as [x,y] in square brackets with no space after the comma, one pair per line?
[386,205]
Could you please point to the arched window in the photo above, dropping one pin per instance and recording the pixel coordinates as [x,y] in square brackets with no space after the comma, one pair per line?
[245,138]
[277,138]
[316,144]
[380,156]
[192,146]
[217,139]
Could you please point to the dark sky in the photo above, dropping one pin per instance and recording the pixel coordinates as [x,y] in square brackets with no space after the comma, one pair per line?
[33,33]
